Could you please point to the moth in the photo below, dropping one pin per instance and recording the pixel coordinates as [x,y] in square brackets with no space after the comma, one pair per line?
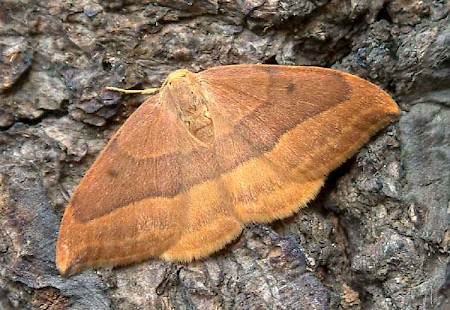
[208,153]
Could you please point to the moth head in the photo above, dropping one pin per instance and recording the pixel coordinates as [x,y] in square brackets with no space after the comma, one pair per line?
[176,75]
[183,90]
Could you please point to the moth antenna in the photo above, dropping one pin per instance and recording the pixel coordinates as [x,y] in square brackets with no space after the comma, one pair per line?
[147,91]
[215,151]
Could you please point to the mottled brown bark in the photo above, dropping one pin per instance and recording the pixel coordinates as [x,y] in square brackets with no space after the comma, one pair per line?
[377,237]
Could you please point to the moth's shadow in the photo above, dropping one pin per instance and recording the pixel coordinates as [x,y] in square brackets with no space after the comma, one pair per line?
[318,203]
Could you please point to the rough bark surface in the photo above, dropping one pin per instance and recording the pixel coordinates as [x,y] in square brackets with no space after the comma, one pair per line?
[378,235]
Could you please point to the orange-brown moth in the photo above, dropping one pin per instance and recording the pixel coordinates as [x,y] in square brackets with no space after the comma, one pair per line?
[212,151]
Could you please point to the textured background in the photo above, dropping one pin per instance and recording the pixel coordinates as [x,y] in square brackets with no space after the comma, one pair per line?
[377,237]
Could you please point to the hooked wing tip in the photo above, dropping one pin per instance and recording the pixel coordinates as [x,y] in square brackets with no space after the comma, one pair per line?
[64,265]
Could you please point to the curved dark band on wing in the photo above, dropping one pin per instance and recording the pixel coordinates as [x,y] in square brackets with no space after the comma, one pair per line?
[277,118]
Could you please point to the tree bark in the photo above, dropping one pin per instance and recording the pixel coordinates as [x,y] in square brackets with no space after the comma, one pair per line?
[377,236]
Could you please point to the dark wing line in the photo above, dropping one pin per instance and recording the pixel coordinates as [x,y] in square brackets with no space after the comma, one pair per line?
[260,151]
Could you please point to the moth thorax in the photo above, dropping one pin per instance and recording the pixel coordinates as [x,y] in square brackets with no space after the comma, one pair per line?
[193,110]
